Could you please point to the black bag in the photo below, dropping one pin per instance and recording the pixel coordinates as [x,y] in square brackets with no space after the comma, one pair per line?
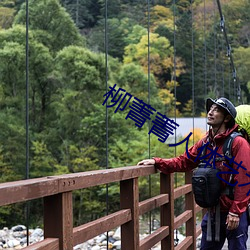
[206,186]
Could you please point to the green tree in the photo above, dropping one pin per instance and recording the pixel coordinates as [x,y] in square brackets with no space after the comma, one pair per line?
[84,13]
[8,9]
[13,60]
[135,81]
[6,17]
[241,56]
[117,32]
[53,25]
[161,60]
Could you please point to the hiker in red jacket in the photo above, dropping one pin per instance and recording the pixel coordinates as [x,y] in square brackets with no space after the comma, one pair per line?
[221,115]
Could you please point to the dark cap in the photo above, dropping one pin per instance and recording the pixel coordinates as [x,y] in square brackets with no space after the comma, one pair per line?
[223,103]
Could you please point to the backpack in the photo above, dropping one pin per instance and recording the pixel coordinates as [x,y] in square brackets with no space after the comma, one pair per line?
[206,185]
[243,120]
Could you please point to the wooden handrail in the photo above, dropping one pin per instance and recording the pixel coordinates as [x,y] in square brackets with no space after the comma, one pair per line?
[58,208]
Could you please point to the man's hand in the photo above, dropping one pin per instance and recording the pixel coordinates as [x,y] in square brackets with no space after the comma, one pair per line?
[146,162]
[232,221]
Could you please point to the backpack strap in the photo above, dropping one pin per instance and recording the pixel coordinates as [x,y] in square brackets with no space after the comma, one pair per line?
[227,151]
[227,147]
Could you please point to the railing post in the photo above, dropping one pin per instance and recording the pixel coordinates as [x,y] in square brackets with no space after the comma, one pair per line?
[58,219]
[190,205]
[167,210]
[129,198]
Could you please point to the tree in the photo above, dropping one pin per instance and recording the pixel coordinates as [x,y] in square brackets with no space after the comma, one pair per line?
[117,31]
[40,60]
[161,16]
[84,13]
[135,81]
[242,64]
[7,12]
[6,17]
[161,57]
[53,25]
[161,62]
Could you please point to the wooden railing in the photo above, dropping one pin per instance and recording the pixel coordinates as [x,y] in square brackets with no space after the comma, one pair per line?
[56,192]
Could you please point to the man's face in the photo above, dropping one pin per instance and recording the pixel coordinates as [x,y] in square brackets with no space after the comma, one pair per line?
[215,116]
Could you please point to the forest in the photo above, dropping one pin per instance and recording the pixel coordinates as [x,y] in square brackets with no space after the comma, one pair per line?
[56,68]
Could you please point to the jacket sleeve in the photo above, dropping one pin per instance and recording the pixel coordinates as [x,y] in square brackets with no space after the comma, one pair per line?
[241,152]
[182,163]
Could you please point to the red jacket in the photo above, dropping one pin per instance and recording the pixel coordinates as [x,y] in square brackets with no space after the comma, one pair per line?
[241,152]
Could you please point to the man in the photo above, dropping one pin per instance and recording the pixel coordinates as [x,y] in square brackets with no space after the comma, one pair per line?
[221,115]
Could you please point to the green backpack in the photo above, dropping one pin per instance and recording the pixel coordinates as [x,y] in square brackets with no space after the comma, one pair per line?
[243,120]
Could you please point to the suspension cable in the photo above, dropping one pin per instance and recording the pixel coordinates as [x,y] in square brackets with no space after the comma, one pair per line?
[27,207]
[175,95]
[107,121]
[149,142]
[229,53]
[205,50]
[192,24]
[215,53]
[174,75]
[205,55]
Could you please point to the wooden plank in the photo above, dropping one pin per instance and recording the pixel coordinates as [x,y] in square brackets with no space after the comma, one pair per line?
[182,190]
[190,205]
[198,231]
[198,208]
[90,230]
[152,203]
[24,190]
[185,244]
[46,244]
[98,177]
[182,218]
[129,196]
[58,219]
[154,238]
[167,210]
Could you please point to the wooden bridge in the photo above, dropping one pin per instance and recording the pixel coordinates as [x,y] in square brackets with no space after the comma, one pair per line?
[56,192]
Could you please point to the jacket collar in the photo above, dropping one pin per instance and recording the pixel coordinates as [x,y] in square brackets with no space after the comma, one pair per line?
[222,136]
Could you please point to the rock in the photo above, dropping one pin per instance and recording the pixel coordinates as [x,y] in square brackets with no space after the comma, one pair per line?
[111,233]
[80,246]
[23,240]
[38,232]
[18,228]
[3,233]
[117,244]
[103,243]
[18,247]
[16,238]
[18,234]
[91,242]
[117,234]
[100,238]
[95,248]
[111,239]
[13,243]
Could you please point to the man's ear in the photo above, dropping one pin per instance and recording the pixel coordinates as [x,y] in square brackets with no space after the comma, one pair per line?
[228,118]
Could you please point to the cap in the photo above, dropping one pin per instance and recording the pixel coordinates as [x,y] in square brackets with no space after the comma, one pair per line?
[223,103]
